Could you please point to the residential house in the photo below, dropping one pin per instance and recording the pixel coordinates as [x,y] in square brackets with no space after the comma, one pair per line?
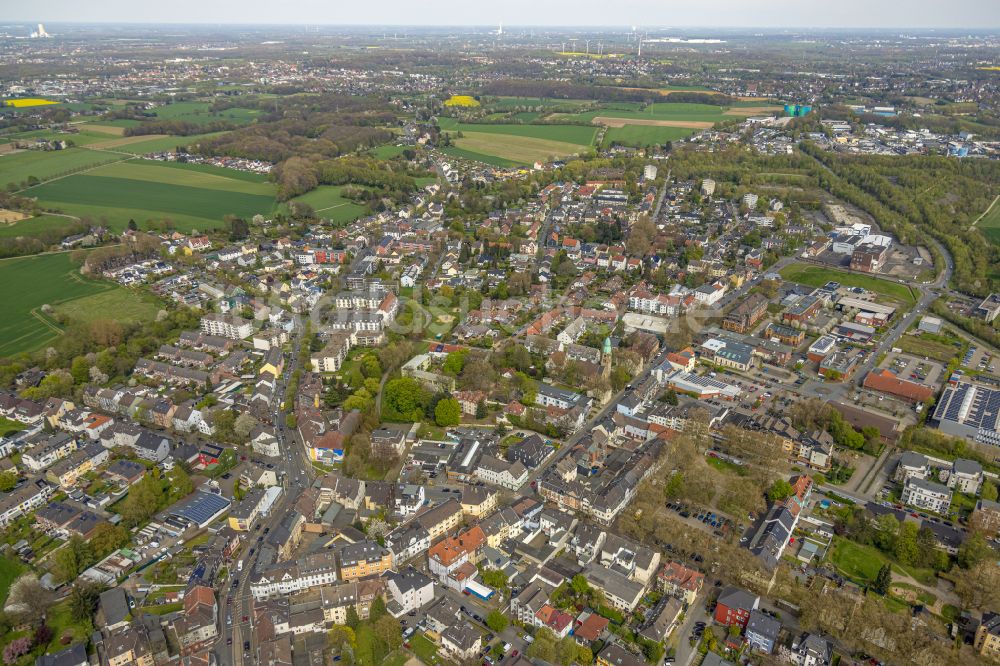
[615,655]
[987,640]
[461,642]
[926,495]
[198,627]
[441,519]
[966,476]
[407,541]
[664,619]
[363,559]
[679,581]
[410,590]
[499,472]
[762,631]
[734,607]
[478,501]
[811,650]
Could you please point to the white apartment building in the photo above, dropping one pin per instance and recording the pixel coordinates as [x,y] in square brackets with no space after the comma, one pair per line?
[295,575]
[928,495]
[226,326]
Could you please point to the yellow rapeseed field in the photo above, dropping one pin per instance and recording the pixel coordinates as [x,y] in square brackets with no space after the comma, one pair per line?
[28,101]
[461,100]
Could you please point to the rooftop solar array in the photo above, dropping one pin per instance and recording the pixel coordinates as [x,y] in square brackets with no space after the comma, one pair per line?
[970,405]
[201,507]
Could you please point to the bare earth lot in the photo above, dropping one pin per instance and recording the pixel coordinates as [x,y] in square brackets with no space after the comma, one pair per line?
[11,216]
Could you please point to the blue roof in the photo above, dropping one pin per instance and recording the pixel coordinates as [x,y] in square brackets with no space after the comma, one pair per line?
[201,507]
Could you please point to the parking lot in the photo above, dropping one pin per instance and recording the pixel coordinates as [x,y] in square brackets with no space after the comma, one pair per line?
[914,369]
[705,519]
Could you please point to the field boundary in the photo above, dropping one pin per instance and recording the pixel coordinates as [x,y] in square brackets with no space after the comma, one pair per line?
[985,212]
[125,157]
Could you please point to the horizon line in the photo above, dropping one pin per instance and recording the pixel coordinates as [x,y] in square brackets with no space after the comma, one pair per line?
[625,26]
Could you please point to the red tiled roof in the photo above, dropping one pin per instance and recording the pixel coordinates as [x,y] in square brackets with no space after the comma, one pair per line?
[591,628]
[887,382]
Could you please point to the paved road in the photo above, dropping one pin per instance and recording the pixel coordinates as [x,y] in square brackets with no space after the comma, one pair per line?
[296,472]
[695,613]
[663,194]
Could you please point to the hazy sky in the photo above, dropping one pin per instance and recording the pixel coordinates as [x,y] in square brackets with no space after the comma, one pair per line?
[978,14]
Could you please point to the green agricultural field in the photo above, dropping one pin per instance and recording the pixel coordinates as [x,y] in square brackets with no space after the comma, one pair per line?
[660,111]
[578,134]
[681,112]
[513,102]
[522,150]
[157,144]
[989,223]
[193,175]
[517,145]
[231,174]
[120,122]
[817,276]
[70,106]
[33,225]
[31,282]
[199,113]
[82,138]
[43,165]
[645,135]
[140,190]
[327,201]
[492,160]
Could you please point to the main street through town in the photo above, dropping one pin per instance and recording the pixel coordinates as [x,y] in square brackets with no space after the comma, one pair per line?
[236,643]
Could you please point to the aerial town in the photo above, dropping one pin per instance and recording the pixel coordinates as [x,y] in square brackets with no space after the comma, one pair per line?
[498,346]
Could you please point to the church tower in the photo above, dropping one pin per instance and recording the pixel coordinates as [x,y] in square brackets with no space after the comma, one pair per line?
[606,358]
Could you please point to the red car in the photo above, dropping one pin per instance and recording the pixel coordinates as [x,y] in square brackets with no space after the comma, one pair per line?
[245,618]
[514,654]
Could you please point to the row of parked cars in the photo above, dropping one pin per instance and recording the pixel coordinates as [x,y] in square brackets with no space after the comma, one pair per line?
[709,518]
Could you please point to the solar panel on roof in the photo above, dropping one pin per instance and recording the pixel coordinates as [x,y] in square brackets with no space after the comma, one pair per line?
[201,507]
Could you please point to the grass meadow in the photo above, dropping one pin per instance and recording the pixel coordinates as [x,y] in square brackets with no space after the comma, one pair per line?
[645,135]
[817,276]
[328,203]
[31,282]
[989,223]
